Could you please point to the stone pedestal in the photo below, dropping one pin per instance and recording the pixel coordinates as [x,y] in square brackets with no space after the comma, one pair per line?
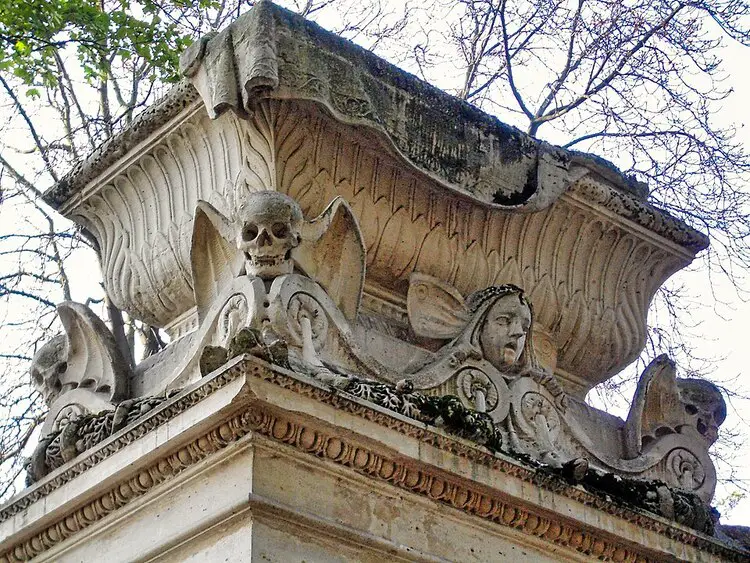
[255,463]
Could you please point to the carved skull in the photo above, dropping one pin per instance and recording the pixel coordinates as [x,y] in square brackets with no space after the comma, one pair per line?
[48,364]
[704,406]
[269,228]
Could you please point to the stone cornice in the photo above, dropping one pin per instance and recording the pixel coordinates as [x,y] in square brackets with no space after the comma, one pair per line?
[649,218]
[164,110]
[143,426]
[358,453]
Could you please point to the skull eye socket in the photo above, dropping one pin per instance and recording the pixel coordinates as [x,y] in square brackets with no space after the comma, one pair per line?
[691,409]
[280,230]
[701,426]
[249,232]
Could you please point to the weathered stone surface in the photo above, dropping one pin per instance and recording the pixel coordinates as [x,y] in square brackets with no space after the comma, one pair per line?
[593,323]
[433,293]
[327,470]
[212,358]
[419,220]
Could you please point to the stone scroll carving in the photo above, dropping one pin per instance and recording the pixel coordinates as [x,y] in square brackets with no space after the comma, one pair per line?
[565,257]
[489,364]
[684,414]
[216,228]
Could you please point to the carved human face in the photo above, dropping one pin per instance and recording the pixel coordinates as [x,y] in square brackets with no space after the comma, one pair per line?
[269,230]
[504,331]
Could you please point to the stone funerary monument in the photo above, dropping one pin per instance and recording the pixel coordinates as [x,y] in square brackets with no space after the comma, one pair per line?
[385,310]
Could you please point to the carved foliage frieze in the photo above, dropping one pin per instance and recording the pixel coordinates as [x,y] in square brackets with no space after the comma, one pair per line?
[143,217]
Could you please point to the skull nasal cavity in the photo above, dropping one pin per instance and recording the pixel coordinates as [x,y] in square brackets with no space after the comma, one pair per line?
[264,239]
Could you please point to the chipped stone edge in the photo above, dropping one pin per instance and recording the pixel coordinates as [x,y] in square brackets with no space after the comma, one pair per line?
[169,106]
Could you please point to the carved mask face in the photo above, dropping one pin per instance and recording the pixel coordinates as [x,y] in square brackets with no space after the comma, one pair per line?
[704,405]
[48,364]
[504,331]
[270,225]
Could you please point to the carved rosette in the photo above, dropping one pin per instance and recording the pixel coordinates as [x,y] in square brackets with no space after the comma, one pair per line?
[535,423]
[685,470]
[303,305]
[477,389]
[537,413]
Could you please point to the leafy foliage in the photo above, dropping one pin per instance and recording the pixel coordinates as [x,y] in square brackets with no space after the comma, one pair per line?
[33,33]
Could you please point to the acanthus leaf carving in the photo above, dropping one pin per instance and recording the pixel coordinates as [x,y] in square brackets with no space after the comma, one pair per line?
[407,222]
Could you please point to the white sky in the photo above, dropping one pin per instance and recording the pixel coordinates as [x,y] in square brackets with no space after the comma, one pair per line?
[726,329]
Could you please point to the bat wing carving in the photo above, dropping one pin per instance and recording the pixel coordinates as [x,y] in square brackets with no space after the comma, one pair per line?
[214,261]
[94,360]
[435,309]
[332,253]
[656,408]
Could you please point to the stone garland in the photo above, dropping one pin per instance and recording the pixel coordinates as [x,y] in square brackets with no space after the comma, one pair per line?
[449,413]
[84,432]
[145,424]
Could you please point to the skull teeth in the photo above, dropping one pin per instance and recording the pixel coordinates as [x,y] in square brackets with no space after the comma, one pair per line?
[264,260]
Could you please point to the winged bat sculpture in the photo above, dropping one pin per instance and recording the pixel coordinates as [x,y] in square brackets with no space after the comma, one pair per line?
[82,371]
